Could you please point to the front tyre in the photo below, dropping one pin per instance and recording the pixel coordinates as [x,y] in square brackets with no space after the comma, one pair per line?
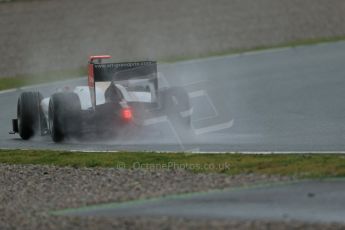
[176,105]
[28,114]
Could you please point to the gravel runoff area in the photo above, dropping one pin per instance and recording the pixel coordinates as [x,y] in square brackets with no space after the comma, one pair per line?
[60,34]
[29,192]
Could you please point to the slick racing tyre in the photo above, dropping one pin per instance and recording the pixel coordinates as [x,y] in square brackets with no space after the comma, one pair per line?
[64,115]
[28,114]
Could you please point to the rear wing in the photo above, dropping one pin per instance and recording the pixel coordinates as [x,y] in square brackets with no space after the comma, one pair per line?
[119,72]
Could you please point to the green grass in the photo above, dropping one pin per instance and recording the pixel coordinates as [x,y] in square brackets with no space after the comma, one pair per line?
[300,165]
[304,42]
[10,1]
[23,80]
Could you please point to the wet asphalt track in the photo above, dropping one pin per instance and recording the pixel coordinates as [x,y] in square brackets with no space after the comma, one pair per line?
[279,100]
[312,201]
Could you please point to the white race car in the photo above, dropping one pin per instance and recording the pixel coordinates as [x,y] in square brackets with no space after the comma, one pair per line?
[118,95]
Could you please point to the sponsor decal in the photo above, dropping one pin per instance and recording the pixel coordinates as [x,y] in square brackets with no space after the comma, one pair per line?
[123,65]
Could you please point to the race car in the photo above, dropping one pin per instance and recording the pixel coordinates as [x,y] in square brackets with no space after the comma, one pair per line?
[118,95]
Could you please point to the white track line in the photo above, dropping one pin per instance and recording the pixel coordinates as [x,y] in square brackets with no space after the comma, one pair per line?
[272,152]
[39,85]
[187,152]
[250,53]
[8,91]
[51,83]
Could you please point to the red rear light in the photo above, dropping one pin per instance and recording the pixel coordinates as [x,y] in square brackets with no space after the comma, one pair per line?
[126,114]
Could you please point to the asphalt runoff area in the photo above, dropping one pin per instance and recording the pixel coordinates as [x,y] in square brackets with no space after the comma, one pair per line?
[312,201]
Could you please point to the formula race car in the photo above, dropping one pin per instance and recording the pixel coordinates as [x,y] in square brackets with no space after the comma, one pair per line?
[118,95]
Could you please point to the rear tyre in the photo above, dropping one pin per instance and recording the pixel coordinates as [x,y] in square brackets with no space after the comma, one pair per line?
[64,116]
[28,114]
